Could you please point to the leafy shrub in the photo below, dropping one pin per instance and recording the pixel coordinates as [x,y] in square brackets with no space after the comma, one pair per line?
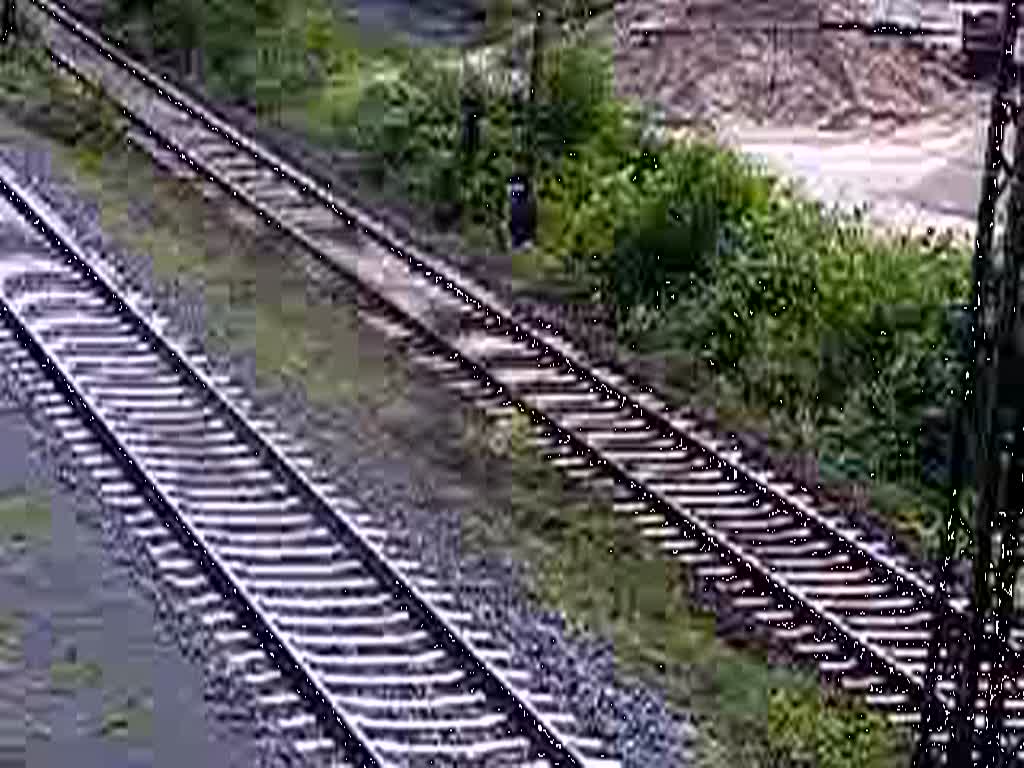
[289,59]
[55,105]
[805,733]
[646,233]
[818,321]
[575,96]
[411,125]
[173,26]
[229,34]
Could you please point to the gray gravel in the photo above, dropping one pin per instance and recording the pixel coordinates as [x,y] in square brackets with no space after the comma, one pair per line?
[393,481]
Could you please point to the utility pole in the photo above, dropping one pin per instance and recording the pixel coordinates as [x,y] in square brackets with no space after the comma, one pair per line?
[536,63]
[472,113]
[523,199]
[966,656]
[7,23]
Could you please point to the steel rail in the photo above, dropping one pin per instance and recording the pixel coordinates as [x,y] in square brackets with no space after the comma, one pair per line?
[157,495]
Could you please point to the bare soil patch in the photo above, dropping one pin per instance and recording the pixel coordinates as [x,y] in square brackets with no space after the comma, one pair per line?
[711,65]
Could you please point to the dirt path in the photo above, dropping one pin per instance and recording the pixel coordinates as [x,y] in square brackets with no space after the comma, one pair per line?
[924,174]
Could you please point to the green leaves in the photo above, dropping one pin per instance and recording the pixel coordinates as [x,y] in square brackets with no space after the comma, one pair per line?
[804,733]
[835,335]
[643,232]
[576,88]
[808,312]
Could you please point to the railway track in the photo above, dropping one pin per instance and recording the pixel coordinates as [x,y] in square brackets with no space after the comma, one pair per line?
[840,598]
[207,627]
[359,653]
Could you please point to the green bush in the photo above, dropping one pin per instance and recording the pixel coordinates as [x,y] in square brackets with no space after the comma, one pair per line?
[575,96]
[411,125]
[54,105]
[813,319]
[289,59]
[805,733]
[836,340]
[174,27]
[228,34]
[646,234]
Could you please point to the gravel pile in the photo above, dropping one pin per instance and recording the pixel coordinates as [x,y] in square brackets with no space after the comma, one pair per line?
[833,80]
[395,484]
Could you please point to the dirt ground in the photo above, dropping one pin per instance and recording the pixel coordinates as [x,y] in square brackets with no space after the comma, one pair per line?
[701,76]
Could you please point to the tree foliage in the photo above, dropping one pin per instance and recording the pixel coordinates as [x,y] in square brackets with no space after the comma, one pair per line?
[805,733]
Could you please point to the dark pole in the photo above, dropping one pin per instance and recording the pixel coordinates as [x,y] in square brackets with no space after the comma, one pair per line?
[8,20]
[472,113]
[1011,423]
[994,310]
[991,411]
[933,712]
[535,82]
[523,201]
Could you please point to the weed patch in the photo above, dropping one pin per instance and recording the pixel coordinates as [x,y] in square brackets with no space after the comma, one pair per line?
[69,676]
[130,720]
[24,518]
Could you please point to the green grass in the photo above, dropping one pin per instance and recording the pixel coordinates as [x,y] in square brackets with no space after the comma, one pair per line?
[71,676]
[130,720]
[25,518]
[253,286]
